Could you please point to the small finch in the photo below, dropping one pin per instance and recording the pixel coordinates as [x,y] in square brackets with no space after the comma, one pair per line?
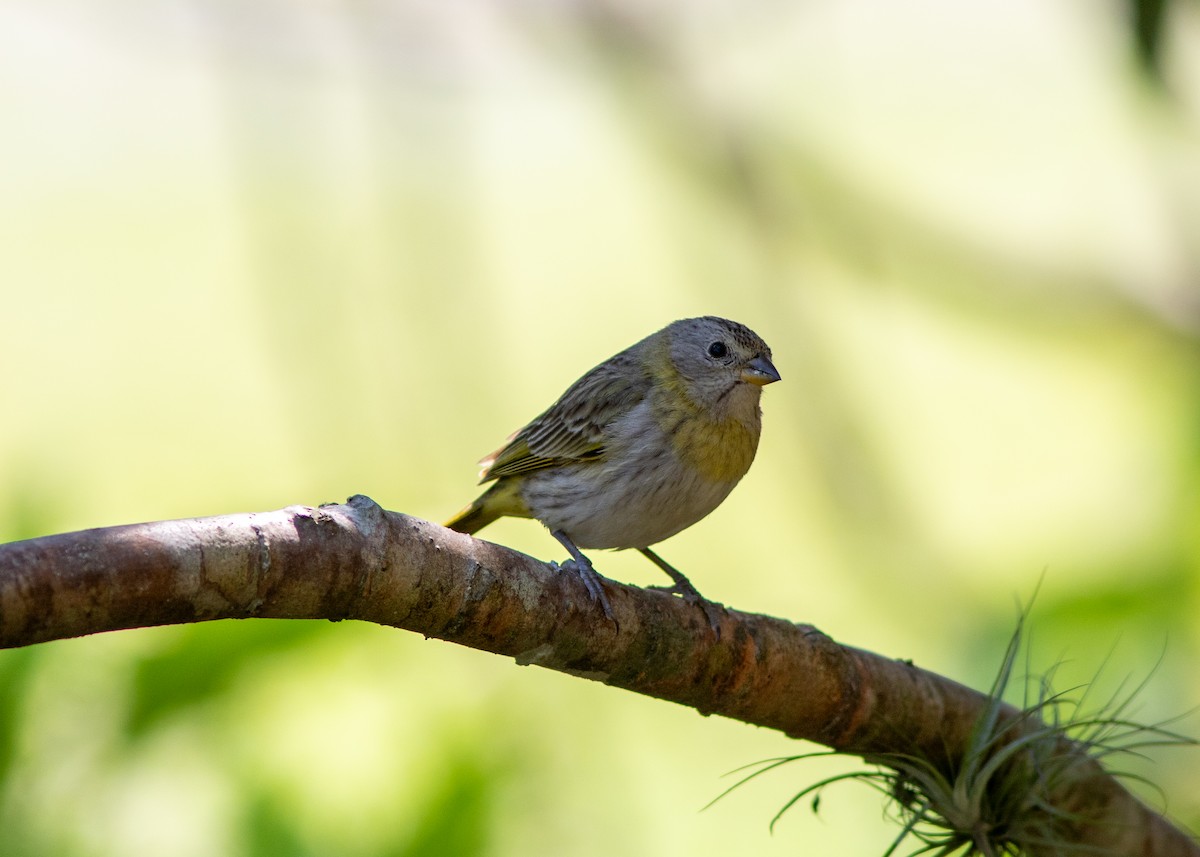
[641,447]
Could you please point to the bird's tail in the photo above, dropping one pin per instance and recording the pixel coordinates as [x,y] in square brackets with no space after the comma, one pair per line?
[503,498]
[473,518]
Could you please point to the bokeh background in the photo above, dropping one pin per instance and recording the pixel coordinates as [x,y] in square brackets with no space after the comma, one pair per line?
[258,254]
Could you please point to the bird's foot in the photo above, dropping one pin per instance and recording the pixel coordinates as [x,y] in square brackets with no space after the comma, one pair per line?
[582,566]
[591,581]
[682,588]
[685,590]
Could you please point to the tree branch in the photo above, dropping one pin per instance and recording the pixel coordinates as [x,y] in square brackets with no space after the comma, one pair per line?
[356,561]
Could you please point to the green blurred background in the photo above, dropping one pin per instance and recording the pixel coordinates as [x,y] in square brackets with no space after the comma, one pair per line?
[258,254]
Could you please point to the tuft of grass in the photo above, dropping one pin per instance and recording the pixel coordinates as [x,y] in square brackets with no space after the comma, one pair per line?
[995,799]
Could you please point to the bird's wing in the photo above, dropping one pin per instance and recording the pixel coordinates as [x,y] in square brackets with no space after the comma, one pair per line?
[575,427]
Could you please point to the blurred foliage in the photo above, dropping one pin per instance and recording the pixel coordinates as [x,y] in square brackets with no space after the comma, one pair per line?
[256,255]
[14,673]
[200,664]
[453,819]
[1147,32]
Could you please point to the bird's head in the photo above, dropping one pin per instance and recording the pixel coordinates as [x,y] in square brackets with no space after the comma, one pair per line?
[722,366]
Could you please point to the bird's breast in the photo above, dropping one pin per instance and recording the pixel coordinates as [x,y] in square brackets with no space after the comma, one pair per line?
[656,478]
[719,450]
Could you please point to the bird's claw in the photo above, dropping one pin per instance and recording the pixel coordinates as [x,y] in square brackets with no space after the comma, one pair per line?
[712,612]
[591,582]
[689,593]
[683,588]
[686,591]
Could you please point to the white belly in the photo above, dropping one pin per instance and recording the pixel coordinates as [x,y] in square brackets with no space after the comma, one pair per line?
[644,498]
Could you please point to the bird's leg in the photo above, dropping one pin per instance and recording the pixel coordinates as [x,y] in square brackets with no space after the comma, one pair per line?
[583,567]
[683,587]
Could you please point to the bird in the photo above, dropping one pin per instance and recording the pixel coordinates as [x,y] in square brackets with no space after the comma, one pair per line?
[642,446]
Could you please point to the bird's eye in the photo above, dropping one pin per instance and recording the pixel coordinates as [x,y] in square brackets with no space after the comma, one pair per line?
[717,350]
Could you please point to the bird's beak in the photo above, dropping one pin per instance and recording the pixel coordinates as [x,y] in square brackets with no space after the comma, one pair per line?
[760,371]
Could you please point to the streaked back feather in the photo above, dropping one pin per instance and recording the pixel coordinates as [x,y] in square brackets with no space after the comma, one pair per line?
[573,428]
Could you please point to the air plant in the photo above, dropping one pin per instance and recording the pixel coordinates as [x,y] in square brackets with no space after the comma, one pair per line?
[997,796]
